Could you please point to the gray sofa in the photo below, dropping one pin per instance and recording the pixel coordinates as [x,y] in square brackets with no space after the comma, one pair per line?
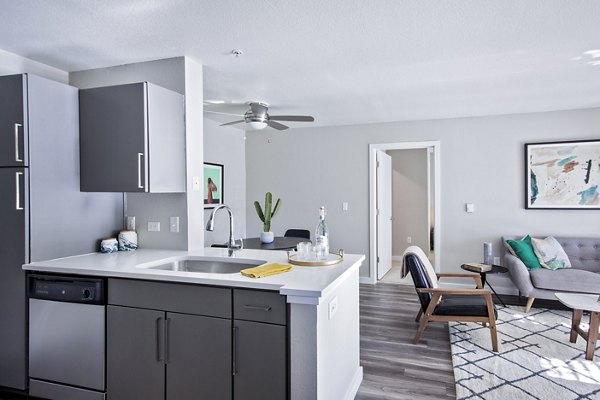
[584,276]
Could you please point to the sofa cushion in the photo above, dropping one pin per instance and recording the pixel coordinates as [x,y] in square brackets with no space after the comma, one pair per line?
[566,280]
[524,250]
[550,253]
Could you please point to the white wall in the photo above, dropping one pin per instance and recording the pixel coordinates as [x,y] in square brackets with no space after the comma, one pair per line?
[409,199]
[227,145]
[13,64]
[482,161]
[183,76]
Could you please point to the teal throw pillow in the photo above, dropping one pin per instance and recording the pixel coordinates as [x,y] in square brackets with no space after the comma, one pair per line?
[524,250]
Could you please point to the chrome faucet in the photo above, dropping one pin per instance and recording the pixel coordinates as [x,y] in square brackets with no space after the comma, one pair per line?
[232,243]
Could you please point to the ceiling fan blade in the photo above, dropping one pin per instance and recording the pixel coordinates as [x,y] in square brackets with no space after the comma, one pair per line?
[277,125]
[233,122]
[223,113]
[299,118]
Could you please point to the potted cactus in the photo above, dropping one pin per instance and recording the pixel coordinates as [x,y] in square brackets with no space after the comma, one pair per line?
[265,216]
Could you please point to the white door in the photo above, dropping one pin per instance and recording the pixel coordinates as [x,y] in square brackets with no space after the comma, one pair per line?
[384,213]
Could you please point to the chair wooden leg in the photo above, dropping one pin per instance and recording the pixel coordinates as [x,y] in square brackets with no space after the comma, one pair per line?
[494,334]
[492,321]
[529,304]
[421,329]
[419,315]
[426,315]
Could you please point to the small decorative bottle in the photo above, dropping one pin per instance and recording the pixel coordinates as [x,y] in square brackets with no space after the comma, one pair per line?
[322,235]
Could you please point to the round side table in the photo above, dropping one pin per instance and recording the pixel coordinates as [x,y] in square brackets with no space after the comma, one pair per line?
[496,269]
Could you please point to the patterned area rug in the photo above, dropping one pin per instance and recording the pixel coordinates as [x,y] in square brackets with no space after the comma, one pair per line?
[535,361]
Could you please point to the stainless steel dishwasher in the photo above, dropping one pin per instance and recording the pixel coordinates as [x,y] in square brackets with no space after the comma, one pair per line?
[67,337]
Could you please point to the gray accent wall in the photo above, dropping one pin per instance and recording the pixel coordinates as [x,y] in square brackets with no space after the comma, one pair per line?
[409,199]
[482,161]
[184,76]
[227,145]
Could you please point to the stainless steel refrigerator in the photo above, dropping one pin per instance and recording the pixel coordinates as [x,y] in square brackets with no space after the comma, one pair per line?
[43,214]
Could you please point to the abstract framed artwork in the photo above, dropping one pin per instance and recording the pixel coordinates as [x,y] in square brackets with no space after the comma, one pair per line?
[213,182]
[562,175]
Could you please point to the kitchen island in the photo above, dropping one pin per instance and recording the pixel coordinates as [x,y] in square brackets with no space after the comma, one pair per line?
[323,327]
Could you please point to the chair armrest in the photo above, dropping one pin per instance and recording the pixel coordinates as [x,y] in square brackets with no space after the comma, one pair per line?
[474,275]
[441,291]
[519,274]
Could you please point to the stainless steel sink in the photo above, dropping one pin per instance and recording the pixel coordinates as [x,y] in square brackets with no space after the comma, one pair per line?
[212,266]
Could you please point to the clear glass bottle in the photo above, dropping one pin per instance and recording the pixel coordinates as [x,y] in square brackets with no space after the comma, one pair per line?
[322,235]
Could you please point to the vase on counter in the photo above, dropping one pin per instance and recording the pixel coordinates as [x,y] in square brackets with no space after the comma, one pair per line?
[267,237]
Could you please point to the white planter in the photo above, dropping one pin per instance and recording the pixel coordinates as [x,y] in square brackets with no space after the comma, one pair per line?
[267,237]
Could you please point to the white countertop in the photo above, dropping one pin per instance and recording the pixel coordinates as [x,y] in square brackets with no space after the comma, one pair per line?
[301,284]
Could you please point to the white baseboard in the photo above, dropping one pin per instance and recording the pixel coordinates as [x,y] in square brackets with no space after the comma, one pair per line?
[367,279]
[355,384]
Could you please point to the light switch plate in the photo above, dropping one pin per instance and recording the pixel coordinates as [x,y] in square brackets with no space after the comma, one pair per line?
[470,207]
[345,206]
[153,226]
[174,224]
[333,307]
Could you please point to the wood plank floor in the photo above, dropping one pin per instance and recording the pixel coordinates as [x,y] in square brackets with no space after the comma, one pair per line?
[393,367]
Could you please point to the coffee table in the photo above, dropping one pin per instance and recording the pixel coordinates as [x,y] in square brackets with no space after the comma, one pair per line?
[581,302]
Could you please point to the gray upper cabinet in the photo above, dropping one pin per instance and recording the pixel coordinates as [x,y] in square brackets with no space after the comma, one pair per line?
[13,121]
[132,139]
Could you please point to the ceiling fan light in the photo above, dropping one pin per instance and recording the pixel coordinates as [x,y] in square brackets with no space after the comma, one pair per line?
[257,124]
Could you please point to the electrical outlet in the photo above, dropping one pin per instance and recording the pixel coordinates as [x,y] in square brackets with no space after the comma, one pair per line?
[153,226]
[174,224]
[409,239]
[333,307]
[496,260]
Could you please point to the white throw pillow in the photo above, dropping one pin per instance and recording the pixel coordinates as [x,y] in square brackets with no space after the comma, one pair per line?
[550,253]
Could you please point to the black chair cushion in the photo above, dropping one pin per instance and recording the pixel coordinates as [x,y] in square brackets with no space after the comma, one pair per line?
[463,305]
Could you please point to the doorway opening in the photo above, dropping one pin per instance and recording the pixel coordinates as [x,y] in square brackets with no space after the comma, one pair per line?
[404,207]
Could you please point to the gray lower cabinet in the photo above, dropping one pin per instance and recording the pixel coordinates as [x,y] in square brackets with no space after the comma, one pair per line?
[150,353]
[259,345]
[134,368]
[260,361]
[184,341]
[198,358]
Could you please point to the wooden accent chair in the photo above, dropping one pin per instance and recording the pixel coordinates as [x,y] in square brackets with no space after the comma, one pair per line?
[442,304]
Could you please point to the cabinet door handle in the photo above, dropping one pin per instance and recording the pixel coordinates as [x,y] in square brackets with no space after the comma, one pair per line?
[253,307]
[17,152]
[166,345]
[234,345]
[18,206]
[158,344]
[140,183]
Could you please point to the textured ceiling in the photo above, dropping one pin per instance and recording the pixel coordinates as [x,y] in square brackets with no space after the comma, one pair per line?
[343,61]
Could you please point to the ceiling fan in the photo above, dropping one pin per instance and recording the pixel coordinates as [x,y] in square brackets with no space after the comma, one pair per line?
[257,117]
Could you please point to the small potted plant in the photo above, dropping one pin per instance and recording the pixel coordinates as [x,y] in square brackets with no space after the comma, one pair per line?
[266,236]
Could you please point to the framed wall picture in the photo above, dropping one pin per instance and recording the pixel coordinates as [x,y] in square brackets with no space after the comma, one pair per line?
[213,182]
[562,175]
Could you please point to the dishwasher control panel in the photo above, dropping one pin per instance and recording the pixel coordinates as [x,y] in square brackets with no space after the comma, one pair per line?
[67,289]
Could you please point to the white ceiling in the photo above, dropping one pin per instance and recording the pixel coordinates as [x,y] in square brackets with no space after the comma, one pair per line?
[343,61]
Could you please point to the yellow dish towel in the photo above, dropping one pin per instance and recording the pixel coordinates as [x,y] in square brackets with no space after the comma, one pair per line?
[266,270]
